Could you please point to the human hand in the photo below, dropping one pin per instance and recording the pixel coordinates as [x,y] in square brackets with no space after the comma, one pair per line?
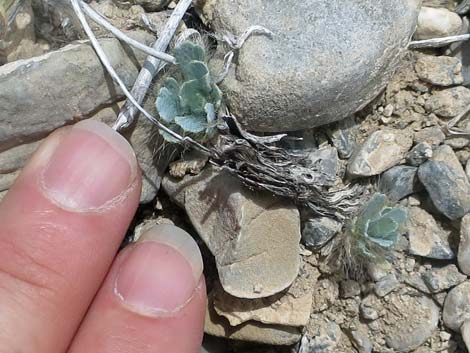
[61,225]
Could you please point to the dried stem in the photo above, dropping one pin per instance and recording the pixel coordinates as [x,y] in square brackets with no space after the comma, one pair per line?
[104,60]
[151,67]
[99,19]
[438,42]
[450,127]
[463,8]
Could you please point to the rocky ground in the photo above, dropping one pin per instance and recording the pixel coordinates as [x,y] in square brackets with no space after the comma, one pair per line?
[271,285]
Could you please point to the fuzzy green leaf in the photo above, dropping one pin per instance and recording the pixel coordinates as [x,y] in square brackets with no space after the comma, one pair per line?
[191,123]
[192,98]
[397,214]
[172,85]
[187,52]
[167,105]
[194,70]
[382,227]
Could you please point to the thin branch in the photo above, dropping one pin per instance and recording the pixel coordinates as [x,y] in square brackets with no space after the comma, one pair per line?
[102,56]
[151,67]
[438,42]
[100,20]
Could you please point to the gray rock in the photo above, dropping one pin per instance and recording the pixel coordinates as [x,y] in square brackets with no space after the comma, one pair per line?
[41,94]
[456,309]
[431,135]
[325,339]
[399,182]
[381,151]
[349,289]
[416,281]
[419,154]
[446,182]
[434,23]
[253,236]
[426,237]
[412,324]
[386,285]
[465,331]
[370,307]
[439,70]
[361,342]
[448,102]
[441,279]
[343,138]
[467,169]
[152,5]
[463,256]
[457,143]
[324,165]
[286,83]
[318,231]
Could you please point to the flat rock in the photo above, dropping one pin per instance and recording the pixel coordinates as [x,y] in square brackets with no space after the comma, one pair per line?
[286,309]
[41,94]
[251,331]
[412,324]
[463,256]
[435,23]
[381,151]
[253,236]
[386,285]
[426,237]
[142,137]
[439,70]
[318,231]
[456,308]
[448,102]
[441,279]
[446,182]
[399,182]
[431,135]
[304,76]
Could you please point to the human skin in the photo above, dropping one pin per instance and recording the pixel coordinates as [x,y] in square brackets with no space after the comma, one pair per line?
[62,286]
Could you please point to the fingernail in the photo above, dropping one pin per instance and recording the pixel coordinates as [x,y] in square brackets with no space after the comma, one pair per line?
[91,167]
[161,273]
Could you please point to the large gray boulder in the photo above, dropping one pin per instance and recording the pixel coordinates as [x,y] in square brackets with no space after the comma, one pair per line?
[326,60]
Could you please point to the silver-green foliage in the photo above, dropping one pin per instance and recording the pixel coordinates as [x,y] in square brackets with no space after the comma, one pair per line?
[190,107]
[376,229]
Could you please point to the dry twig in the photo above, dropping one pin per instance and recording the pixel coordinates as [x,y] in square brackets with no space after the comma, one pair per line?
[102,56]
[438,42]
[454,131]
[151,66]
[100,20]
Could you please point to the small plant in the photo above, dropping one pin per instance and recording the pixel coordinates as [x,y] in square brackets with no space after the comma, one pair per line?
[190,107]
[371,236]
[376,228]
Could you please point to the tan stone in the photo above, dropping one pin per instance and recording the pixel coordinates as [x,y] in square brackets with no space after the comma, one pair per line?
[253,235]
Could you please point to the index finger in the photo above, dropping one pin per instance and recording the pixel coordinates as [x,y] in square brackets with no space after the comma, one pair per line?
[60,227]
